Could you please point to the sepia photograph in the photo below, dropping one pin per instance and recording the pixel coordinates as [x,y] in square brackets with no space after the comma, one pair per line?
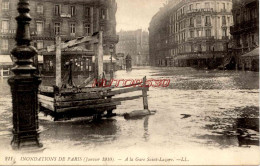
[129,82]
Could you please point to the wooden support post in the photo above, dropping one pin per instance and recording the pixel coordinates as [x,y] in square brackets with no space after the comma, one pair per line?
[99,57]
[144,92]
[58,61]
[92,25]
[56,91]
[24,85]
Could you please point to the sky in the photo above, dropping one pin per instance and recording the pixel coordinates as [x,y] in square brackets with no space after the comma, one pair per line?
[136,14]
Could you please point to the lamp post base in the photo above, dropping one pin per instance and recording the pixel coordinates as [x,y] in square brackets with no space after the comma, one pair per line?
[25,112]
[28,140]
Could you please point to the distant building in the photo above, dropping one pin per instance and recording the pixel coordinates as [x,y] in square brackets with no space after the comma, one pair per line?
[191,33]
[246,34]
[134,43]
[68,18]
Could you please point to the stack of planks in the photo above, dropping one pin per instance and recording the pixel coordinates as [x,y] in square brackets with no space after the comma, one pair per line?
[77,102]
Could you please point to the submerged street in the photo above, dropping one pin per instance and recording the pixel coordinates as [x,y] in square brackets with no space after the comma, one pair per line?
[199,110]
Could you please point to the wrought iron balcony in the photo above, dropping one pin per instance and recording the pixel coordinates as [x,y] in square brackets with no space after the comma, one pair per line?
[200,10]
[202,38]
[7,31]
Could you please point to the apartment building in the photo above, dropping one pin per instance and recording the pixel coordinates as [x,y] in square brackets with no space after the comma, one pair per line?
[191,33]
[67,18]
[246,34]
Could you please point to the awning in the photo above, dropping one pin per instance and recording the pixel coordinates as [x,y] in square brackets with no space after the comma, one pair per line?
[198,56]
[6,60]
[78,50]
[106,59]
[254,53]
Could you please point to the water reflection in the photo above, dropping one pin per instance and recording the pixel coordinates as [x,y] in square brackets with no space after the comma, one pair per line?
[234,127]
[221,141]
[85,131]
[146,132]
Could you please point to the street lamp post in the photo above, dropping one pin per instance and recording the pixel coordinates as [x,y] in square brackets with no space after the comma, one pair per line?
[24,85]
[111,62]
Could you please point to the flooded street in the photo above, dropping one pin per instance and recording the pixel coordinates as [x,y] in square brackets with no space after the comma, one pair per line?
[199,111]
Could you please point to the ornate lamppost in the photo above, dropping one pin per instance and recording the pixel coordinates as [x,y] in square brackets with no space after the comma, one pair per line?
[24,85]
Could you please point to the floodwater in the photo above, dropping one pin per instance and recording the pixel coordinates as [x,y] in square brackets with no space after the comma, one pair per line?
[199,112]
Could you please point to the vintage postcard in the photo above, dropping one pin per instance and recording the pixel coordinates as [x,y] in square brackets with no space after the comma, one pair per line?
[129,82]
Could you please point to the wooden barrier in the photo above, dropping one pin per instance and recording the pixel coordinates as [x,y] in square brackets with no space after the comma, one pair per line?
[89,101]
[46,89]
[144,92]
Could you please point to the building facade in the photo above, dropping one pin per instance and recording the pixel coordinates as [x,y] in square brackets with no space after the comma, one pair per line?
[69,19]
[191,33]
[246,34]
[136,44]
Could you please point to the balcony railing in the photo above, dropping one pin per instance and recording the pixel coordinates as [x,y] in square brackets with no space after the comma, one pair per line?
[202,38]
[200,10]
[64,15]
[7,31]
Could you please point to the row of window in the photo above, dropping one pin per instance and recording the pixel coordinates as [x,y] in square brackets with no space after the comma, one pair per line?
[196,48]
[246,15]
[208,5]
[197,6]
[198,19]
[182,37]
[5,44]
[57,28]
[6,4]
[72,27]
[247,40]
[104,13]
